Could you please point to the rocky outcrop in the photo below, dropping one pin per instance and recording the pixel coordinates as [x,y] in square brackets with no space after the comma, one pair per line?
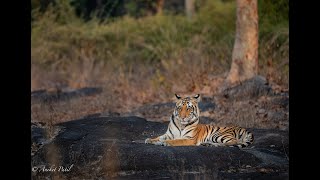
[113,147]
[57,94]
[249,89]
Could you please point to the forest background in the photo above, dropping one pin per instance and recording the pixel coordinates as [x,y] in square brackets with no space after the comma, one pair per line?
[138,55]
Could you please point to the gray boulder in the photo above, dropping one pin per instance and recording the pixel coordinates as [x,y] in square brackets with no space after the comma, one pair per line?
[113,148]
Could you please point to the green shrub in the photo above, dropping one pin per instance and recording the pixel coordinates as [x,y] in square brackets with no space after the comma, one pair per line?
[60,40]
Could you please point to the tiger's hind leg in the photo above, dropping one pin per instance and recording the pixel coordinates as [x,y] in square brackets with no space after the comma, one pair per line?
[231,142]
[234,143]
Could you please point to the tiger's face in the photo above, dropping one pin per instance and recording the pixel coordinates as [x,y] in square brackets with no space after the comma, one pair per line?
[186,110]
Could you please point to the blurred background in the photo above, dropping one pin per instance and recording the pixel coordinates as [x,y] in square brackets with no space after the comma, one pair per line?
[143,51]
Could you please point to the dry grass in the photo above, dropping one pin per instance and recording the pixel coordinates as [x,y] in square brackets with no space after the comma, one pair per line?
[264,112]
[139,61]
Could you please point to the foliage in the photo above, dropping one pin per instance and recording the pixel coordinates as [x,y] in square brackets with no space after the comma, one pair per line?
[162,53]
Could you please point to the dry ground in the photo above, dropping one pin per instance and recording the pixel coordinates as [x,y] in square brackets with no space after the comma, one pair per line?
[264,111]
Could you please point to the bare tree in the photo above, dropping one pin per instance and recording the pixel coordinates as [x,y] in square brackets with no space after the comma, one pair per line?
[190,8]
[245,51]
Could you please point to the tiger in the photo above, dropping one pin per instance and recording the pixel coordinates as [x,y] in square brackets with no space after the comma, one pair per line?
[184,129]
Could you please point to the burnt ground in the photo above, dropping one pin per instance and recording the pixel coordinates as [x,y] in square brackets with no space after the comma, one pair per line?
[106,147]
[62,95]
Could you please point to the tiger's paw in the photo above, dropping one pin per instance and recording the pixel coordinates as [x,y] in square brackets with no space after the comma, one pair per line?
[161,143]
[165,144]
[148,141]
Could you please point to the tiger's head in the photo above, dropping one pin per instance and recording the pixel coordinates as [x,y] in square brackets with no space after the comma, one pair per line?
[187,110]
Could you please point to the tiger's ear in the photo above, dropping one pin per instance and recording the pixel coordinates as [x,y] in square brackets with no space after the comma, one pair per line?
[177,96]
[197,97]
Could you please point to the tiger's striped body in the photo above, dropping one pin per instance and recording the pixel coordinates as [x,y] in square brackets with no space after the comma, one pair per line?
[184,129]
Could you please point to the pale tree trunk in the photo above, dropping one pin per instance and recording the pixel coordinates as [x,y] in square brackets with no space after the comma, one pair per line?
[245,51]
[160,6]
[190,9]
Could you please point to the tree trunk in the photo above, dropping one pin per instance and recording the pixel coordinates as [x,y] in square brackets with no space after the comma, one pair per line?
[190,9]
[245,51]
[160,6]
[99,8]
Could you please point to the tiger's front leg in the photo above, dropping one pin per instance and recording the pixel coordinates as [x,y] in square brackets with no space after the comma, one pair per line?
[157,141]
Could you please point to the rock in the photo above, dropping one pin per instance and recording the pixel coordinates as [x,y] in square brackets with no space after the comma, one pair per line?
[251,88]
[276,116]
[113,147]
[282,101]
[42,134]
[60,95]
